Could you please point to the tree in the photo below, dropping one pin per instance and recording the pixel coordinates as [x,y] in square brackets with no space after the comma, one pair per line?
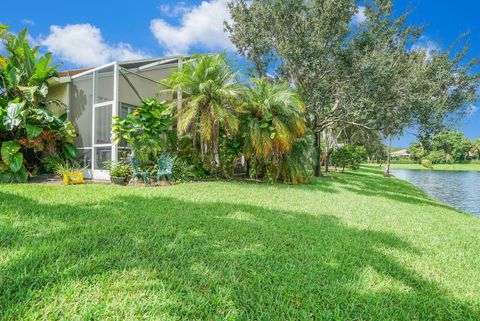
[210,93]
[365,75]
[475,150]
[29,131]
[302,41]
[454,144]
[416,151]
[272,123]
[348,155]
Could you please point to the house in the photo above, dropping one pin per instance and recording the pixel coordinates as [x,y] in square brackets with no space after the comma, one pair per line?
[402,153]
[95,95]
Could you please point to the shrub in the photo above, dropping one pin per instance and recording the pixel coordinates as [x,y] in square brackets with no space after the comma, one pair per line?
[427,163]
[50,163]
[436,157]
[347,156]
[119,169]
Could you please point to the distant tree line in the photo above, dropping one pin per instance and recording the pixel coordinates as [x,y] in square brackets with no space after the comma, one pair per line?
[446,148]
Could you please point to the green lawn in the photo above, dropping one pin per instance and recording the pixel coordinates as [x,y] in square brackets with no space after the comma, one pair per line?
[436,167]
[352,247]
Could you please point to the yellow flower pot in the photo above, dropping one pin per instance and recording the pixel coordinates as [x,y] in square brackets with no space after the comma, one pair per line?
[73,178]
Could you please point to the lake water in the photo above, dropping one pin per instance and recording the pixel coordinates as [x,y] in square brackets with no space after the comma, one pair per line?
[458,189]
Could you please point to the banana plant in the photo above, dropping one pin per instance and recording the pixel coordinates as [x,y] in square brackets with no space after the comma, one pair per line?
[29,130]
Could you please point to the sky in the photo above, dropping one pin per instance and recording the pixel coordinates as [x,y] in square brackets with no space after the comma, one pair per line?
[90,33]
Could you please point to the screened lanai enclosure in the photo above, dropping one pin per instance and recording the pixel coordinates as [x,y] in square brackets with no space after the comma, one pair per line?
[115,89]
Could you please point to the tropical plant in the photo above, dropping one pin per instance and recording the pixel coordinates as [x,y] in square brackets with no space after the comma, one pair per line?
[29,131]
[210,92]
[147,130]
[118,169]
[272,124]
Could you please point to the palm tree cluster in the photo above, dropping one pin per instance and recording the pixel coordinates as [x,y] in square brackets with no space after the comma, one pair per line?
[263,120]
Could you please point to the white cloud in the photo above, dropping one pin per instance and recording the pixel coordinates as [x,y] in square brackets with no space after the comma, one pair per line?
[200,26]
[178,9]
[359,17]
[83,45]
[472,109]
[426,45]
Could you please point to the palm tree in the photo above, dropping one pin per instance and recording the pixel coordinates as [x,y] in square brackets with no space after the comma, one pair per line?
[272,121]
[210,90]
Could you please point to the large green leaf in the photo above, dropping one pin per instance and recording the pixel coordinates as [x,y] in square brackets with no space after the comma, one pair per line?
[29,92]
[8,150]
[29,59]
[33,130]
[13,117]
[17,162]
[44,114]
[21,175]
[6,177]
[70,151]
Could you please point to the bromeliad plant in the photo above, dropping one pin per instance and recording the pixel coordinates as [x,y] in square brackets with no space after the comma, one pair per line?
[29,131]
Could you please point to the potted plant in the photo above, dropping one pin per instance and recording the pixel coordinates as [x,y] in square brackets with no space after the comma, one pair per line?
[72,173]
[119,172]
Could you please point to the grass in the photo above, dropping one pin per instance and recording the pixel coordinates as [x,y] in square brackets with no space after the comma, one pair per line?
[352,247]
[436,167]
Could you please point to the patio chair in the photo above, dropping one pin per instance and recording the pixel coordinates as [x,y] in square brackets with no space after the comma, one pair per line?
[145,176]
[165,166]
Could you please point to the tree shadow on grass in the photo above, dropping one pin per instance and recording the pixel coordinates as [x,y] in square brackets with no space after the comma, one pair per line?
[135,257]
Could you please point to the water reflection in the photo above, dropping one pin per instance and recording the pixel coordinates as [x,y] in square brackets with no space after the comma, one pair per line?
[458,189]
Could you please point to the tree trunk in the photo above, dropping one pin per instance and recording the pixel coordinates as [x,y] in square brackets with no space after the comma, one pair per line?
[326,157]
[386,173]
[318,149]
[247,168]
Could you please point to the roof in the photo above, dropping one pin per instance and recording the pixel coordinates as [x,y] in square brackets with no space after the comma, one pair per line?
[401,152]
[69,73]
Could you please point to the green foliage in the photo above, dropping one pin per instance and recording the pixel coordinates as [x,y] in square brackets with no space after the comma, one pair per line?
[436,157]
[210,92]
[348,155]
[26,123]
[272,131]
[427,163]
[67,167]
[147,130]
[50,163]
[454,144]
[118,169]
[416,151]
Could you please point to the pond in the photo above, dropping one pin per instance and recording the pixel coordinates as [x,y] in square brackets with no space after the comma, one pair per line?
[458,189]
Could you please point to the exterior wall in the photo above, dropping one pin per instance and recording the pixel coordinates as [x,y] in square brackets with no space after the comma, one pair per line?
[61,92]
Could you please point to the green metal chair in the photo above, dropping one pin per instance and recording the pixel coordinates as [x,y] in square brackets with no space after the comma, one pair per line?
[165,167]
[145,176]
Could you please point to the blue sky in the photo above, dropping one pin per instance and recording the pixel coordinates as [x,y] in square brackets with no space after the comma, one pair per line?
[89,33]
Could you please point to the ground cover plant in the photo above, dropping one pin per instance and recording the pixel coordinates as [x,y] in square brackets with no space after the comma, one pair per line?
[352,247]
